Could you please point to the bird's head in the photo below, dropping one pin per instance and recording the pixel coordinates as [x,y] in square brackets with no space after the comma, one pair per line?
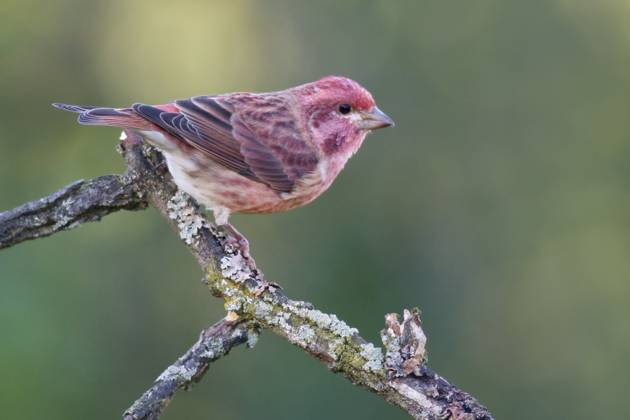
[339,112]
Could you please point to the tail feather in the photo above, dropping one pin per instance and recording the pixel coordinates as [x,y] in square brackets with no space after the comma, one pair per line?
[116,117]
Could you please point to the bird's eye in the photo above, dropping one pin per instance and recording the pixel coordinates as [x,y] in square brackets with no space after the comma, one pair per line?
[345,108]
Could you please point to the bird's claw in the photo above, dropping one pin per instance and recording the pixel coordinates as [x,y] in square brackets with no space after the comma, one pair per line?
[241,244]
[237,241]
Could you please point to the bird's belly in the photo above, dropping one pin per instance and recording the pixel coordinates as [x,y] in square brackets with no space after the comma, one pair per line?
[215,186]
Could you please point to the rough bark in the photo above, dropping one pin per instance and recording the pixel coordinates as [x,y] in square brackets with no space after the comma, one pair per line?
[400,375]
[76,203]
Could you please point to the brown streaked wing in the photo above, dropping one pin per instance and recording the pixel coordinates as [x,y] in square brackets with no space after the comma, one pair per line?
[278,146]
[210,130]
[271,153]
[261,159]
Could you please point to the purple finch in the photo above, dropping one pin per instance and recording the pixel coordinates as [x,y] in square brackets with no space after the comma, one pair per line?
[253,152]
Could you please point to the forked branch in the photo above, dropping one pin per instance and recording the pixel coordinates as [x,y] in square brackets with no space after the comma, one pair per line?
[399,375]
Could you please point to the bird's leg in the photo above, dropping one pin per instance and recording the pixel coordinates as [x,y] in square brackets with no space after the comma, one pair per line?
[237,240]
[234,238]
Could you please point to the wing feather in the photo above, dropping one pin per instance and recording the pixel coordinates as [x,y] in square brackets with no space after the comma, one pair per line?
[231,133]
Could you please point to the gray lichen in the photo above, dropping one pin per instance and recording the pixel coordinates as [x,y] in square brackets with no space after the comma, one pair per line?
[213,349]
[263,309]
[323,320]
[373,356]
[189,222]
[176,372]
[236,268]
[304,335]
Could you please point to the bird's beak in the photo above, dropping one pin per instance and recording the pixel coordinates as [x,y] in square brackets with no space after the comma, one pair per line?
[373,119]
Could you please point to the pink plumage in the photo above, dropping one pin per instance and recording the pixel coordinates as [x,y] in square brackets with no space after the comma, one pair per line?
[253,152]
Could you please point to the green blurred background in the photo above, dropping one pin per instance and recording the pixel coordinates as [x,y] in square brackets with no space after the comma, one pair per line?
[499,204]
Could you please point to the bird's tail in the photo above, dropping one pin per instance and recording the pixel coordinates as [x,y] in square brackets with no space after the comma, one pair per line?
[115,117]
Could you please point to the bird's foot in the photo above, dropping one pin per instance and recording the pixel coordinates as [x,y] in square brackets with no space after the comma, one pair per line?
[237,241]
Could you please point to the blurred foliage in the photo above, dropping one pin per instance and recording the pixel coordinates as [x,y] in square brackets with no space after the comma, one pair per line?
[499,203]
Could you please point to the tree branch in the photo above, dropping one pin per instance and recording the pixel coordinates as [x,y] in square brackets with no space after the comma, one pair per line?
[400,375]
[74,204]
[213,343]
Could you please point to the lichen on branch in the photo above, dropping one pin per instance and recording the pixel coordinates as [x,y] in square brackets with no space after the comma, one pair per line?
[399,375]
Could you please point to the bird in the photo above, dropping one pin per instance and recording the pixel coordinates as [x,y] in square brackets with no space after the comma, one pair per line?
[248,152]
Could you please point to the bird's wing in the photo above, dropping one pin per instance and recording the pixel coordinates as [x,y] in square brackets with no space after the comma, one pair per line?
[238,134]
